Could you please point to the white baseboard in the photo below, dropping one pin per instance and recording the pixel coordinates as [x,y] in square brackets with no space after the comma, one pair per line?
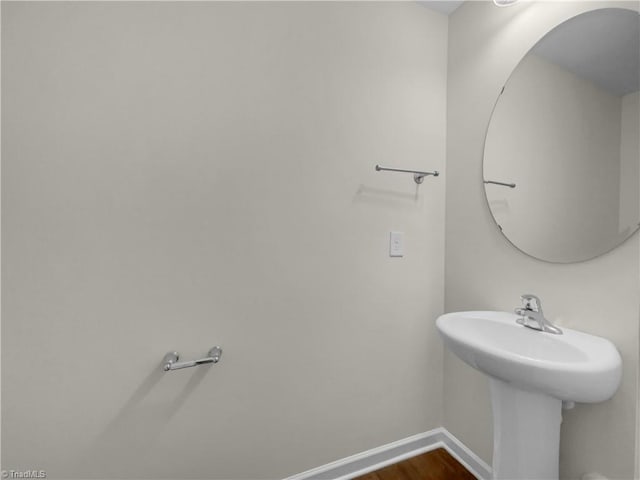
[376,458]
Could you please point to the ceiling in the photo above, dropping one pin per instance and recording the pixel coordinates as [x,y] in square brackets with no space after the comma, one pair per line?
[442,6]
[600,46]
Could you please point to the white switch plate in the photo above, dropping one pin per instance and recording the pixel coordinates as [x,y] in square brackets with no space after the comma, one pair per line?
[396,244]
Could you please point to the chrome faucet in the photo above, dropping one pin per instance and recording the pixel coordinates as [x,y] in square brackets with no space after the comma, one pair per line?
[532,315]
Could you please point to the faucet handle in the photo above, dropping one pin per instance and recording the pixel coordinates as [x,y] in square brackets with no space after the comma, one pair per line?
[527,300]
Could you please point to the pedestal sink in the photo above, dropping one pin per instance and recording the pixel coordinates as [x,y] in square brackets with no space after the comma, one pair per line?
[531,373]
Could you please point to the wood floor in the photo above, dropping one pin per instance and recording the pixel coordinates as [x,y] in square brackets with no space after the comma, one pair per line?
[433,465]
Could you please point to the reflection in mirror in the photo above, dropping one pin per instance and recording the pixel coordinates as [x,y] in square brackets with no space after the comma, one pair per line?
[566,132]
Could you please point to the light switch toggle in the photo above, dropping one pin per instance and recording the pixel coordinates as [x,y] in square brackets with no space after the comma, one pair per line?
[396,244]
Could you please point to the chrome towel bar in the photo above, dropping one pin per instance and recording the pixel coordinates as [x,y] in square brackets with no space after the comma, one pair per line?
[510,185]
[170,360]
[418,176]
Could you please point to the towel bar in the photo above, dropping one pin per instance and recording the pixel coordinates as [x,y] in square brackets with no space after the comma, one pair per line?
[170,360]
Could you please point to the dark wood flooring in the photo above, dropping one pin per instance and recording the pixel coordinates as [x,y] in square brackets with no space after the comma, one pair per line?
[434,465]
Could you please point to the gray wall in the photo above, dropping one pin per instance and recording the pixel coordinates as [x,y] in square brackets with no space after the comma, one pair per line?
[483,271]
[630,161]
[179,175]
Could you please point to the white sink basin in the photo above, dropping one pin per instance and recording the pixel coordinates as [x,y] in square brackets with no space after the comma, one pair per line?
[530,374]
[573,366]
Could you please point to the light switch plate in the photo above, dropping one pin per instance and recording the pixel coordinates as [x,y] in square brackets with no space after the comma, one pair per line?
[396,244]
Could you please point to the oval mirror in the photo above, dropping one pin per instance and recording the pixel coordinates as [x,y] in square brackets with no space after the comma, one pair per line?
[562,153]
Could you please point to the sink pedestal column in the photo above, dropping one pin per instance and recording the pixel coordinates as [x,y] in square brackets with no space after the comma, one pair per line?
[526,433]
